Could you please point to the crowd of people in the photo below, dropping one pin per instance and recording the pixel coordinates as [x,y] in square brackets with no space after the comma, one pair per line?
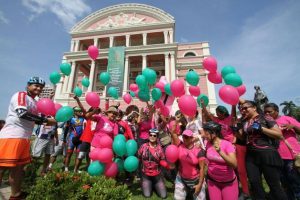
[216,154]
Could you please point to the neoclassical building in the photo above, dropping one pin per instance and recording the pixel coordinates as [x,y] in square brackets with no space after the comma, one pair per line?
[139,36]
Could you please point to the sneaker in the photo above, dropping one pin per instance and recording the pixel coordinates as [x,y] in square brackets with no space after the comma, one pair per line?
[21,196]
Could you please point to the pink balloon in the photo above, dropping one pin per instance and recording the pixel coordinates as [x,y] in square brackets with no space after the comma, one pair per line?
[105,155]
[241,89]
[111,169]
[210,64]
[229,94]
[127,98]
[159,104]
[188,105]
[94,154]
[133,87]
[105,142]
[57,106]
[177,88]
[93,99]
[172,153]
[165,111]
[46,106]
[160,85]
[93,52]
[194,90]
[215,77]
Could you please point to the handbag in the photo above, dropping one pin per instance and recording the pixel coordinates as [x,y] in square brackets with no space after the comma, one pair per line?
[296,155]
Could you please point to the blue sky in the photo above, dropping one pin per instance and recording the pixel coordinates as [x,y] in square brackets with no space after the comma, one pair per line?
[260,38]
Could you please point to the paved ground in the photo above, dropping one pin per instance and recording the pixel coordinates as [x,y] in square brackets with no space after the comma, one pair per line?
[4,192]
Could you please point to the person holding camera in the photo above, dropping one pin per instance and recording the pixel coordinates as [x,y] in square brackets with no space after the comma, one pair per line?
[262,139]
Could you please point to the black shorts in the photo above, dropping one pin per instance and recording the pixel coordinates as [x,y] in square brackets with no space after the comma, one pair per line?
[85,147]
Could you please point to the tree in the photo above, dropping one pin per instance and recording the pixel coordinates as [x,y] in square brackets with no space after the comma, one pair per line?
[288,107]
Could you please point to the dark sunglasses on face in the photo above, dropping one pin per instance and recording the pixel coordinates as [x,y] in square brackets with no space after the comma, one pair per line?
[152,135]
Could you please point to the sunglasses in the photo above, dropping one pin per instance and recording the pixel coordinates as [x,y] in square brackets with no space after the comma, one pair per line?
[152,135]
[245,108]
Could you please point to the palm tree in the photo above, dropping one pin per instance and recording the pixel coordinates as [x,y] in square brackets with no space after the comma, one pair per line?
[288,107]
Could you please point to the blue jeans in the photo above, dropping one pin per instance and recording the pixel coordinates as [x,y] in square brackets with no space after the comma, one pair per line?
[290,179]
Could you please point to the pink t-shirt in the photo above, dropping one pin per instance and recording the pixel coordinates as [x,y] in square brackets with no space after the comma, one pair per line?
[217,167]
[189,161]
[226,130]
[145,126]
[171,124]
[105,126]
[290,136]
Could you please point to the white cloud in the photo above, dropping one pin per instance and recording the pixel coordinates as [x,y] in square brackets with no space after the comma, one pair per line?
[67,11]
[3,19]
[267,50]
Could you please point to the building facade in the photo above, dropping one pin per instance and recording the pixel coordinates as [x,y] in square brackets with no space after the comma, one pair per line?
[147,33]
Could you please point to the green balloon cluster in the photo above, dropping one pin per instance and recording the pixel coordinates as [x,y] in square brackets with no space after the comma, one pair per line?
[150,75]
[204,98]
[227,70]
[192,77]
[131,163]
[85,82]
[168,89]
[64,114]
[233,79]
[96,168]
[54,77]
[119,147]
[141,81]
[77,91]
[104,78]
[65,68]
[131,147]
[113,92]
[156,94]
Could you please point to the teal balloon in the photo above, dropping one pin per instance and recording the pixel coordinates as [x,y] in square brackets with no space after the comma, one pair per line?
[113,92]
[150,75]
[96,168]
[233,79]
[64,114]
[131,93]
[131,147]
[54,77]
[192,77]
[168,89]
[227,70]
[65,68]
[144,95]
[77,91]
[85,82]
[131,163]
[104,78]
[120,164]
[120,137]
[156,94]
[205,99]
[141,81]
[119,147]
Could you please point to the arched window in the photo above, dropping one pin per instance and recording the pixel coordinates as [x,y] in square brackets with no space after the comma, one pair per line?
[189,54]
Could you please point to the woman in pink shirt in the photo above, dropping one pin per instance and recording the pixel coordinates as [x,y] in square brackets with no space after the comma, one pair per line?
[145,124]
[189,183]
[288,148]
[222,181]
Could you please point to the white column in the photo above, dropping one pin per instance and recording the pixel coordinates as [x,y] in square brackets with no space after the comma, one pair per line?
[211,95]
[167,67]
[173,66]
[76,46]
[127,40]
[166,37]
[171,37]
[125,86]
[144,38]
[65,84]
[205,48]
[144,65]
[92,76]
[72,45]
[58,88]
[71,78]
[111,41]
[96,42]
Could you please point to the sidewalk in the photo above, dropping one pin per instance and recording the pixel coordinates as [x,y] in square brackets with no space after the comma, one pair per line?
[4,192]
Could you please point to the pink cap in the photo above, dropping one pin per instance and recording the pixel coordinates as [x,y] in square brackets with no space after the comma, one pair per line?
[188,133]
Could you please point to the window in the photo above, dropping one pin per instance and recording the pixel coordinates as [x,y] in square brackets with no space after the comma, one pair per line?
[189,54]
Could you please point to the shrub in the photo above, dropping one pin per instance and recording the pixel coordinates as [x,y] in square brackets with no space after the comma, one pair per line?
[77,187]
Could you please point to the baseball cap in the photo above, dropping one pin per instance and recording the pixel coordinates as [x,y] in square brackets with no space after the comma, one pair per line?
[188,133]
[112,109]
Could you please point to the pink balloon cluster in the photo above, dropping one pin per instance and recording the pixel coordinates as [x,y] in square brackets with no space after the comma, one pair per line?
[210,64]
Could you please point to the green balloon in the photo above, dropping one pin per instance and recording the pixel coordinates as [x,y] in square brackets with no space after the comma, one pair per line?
[227,70]
[141,81]
[120,164]
[54,77]
[150,75]
[144,95]
[192,77]
[120,137]
[233,79]
[104,78]
[85,82]
[131,163]
[131,147]
[64,114]
[156,94]
[77,91]
[65,68]
[131,93]
[96,168]
[113,92]
[119,147]
[205,99]
[168,89]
